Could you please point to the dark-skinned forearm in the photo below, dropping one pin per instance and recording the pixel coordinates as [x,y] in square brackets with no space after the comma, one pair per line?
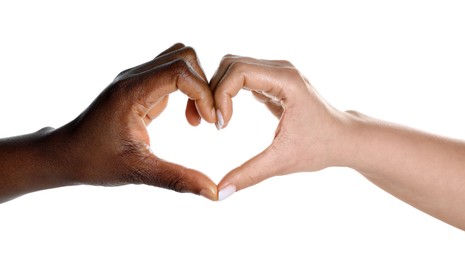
[30,163]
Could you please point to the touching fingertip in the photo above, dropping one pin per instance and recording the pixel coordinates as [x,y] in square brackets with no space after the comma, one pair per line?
[225,192]
[213,114]
[209,194]
[220,121]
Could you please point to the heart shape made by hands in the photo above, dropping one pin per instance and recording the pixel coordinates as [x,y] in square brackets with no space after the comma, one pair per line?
[206,149]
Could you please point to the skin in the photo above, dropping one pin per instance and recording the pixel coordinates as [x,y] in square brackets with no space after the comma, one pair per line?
[108,143]
[424,170]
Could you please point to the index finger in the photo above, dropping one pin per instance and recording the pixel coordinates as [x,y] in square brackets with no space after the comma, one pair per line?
[162,80]
[272,81]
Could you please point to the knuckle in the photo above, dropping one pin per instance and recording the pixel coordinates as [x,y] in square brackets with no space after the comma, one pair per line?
[291,74]
[122,73]
[179,45]
[188,53]
[285,63]
[181,71]
[191,58]
[179,67]
[228,58]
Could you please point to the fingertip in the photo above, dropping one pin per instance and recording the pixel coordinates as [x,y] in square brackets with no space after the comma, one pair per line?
[180,179]
[200,184]
[228,186]
[194,121]
[192,115]
[220,120]
[210,193]
[206,111]
[226,192]
[205,187]
[214,114]
[229,180]
[223,102]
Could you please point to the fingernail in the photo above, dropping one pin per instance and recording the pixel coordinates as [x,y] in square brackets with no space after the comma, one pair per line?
[226,192]
[219,124]
[207,194]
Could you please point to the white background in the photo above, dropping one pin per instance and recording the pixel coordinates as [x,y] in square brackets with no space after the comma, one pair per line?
[401,61]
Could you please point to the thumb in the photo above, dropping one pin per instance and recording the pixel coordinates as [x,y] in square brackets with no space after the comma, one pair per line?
[168,175]
[261,167]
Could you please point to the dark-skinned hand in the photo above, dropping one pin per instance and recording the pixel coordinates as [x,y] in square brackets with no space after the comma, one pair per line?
[108,144]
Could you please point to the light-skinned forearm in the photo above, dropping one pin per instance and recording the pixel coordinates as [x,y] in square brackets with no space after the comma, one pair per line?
[424,170]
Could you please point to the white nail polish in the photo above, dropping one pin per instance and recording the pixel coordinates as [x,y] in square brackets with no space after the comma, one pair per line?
[220,123]
[226,192]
